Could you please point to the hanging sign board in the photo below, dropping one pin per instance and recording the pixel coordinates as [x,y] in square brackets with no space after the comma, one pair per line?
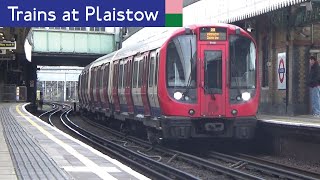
[281,71]
[8,45]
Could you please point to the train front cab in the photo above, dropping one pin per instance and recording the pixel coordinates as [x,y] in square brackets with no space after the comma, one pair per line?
[212,89]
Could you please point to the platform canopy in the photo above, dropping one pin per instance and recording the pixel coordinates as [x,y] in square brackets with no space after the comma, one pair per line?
[228,11]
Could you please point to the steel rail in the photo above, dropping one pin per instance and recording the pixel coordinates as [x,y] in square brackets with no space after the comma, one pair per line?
[154,168]
[274,169]
[186,157]
[53,109]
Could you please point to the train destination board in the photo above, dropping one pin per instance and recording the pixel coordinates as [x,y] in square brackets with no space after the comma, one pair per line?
[7,45]
[213,34]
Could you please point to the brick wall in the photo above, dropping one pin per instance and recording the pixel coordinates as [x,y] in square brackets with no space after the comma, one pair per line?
[273,101]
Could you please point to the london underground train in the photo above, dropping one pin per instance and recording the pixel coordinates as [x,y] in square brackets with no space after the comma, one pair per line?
[199,81]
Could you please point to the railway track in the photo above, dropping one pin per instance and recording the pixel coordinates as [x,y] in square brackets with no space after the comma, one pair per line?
[270,170]
[151,167]
[164,163]
[253,167]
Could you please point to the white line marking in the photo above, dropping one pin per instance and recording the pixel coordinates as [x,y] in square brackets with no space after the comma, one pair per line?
[85,169]
[305,124]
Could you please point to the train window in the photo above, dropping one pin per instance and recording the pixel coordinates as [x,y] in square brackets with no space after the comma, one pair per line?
[96,72]
[135,74]
[100,77]
[140,73]
[242,62]
[213,71]
[120,76]
[101,69]
[156,70]
[128,73]
[92,79]
[181,62]
[125,75]
[151,71]
[95,78]
[115,75]
[106,75]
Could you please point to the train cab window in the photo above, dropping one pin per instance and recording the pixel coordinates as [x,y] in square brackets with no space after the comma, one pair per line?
[140,73]
[151,70]
[135,74]
[242,62]
[213,71]
[181,62]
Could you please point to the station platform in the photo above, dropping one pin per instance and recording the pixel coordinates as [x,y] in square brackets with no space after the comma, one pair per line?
[32,149]
[307,121]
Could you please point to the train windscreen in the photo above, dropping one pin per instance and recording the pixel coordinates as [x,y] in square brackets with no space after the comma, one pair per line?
[242,62]
[181,62]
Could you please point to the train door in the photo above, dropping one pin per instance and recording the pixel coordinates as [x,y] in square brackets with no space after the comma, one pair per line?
[155,87]
[91,95]
[128,86]
[136,84]
[152,94]
[105,84]
[212,75]
[87,89]
[115,86]
[79,89]
[144,85]
[84,88]
[95,87]
[99,86]
[121,85]
[101,78]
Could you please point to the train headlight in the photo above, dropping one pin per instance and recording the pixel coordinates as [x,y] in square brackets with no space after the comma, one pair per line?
[191,112]
[234,112]
[246,96]
[177,95]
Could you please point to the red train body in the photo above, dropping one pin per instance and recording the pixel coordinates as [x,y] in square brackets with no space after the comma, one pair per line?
[199,81]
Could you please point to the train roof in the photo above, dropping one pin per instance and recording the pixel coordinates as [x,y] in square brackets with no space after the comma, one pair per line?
[146,39]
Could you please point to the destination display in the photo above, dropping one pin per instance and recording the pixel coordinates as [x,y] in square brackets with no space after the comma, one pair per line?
[213,34]
[7,45]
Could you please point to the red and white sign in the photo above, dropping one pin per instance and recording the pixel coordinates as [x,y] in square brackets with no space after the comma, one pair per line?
[281,70]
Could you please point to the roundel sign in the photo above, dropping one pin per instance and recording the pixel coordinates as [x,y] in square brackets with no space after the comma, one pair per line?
[281,70]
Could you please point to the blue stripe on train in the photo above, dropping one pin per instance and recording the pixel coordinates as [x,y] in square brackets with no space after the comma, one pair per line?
[155,111]
[124,108]
[138,110]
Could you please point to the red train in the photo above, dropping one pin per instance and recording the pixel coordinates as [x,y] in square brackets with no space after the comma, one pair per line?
[199,81]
